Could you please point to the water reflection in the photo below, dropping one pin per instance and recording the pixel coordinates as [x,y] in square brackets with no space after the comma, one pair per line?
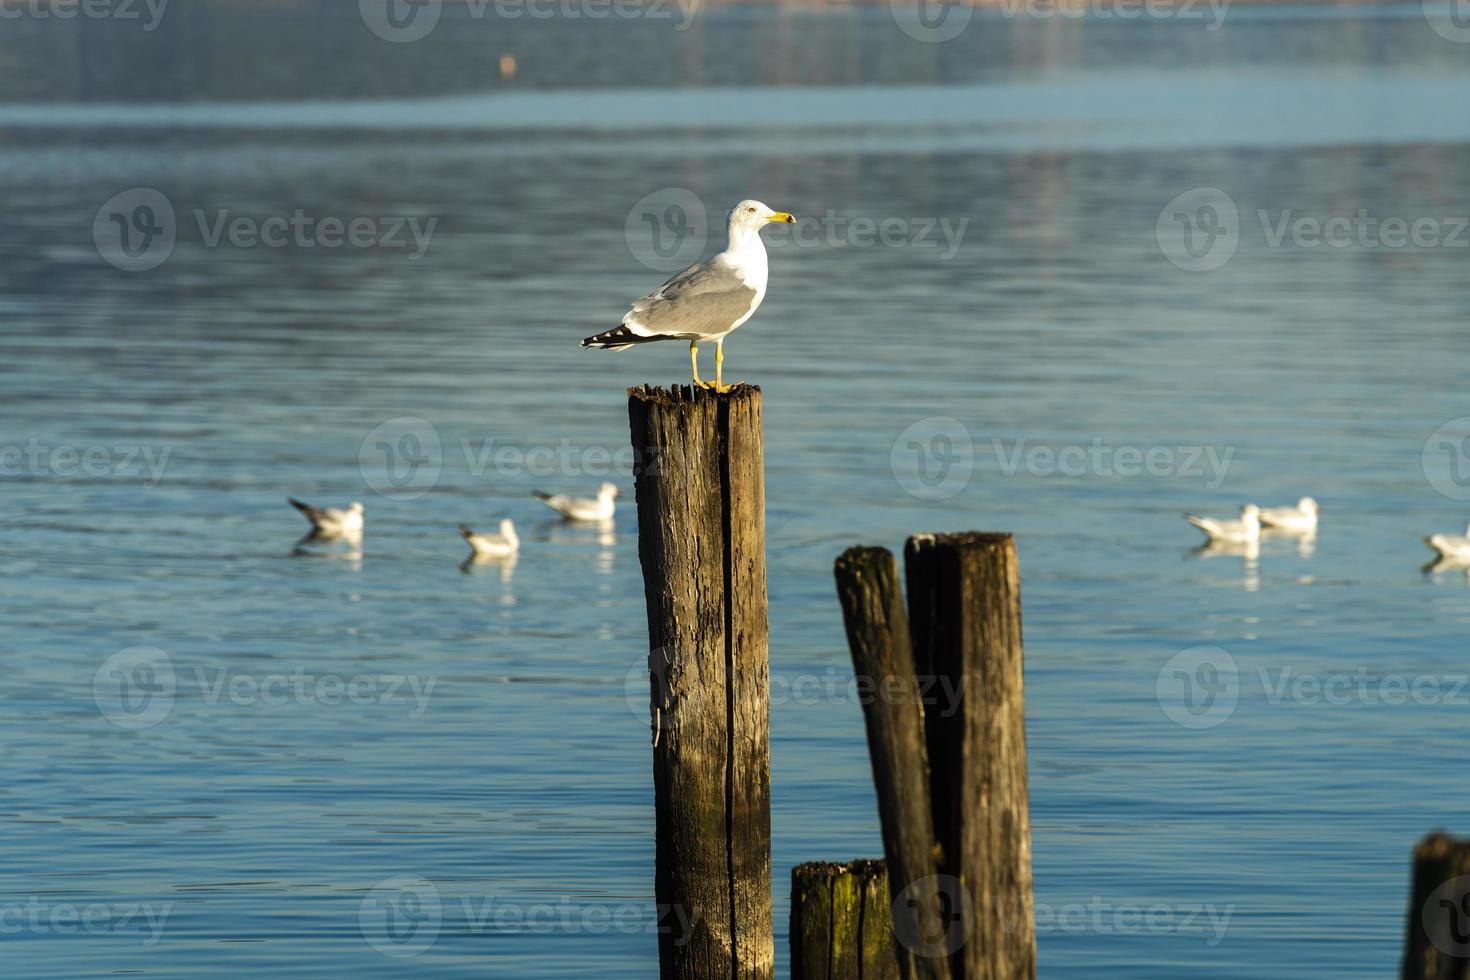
[1248,551]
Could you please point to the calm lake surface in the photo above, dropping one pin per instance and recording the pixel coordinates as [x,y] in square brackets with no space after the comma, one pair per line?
[994,315]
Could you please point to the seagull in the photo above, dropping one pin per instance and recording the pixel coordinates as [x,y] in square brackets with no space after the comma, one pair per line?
[1246,529]
[599,508]
[1302,517]
[706,301]
[1452,546]
[502,545]
[332,522]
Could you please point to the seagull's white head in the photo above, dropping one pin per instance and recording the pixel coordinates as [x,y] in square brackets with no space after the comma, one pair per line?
[749,217]
[1250,512]
[1307,506]
[508,529]
[608,490]
[355,507]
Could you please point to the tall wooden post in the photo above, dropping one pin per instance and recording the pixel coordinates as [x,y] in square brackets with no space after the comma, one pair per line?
[700,482]
[965,615]
[1437,945]
[840,922]
[893,711]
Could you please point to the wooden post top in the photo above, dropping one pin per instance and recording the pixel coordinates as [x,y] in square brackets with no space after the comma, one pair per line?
[685,394]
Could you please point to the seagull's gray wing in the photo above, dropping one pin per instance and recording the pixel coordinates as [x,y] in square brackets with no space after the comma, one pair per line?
[705,300]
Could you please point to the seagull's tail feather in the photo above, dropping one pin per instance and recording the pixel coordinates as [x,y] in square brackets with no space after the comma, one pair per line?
[1206,525]
[464,530]
[620,337]
[541,496]
[306,509]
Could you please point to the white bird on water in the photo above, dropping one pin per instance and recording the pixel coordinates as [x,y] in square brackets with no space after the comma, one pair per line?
[332,522]
[599,508]
[1302,517]
[1246,529]
[1455,547]
[502,545]
[706,301]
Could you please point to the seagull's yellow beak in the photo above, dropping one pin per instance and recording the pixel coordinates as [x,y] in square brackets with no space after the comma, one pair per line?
[783,217]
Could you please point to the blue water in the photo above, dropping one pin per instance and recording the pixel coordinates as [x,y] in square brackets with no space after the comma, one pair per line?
[492,762]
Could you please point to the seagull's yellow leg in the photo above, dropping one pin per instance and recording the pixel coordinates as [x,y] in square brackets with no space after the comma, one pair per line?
[694,364]
[719,382]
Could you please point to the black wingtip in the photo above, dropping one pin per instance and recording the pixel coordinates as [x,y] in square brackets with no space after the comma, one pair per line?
[304,508]
[465,531]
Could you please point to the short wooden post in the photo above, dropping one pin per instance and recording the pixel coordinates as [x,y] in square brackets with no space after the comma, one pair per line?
[1437,944]
[700,483]
[841,925]
[893,712]
[965,614]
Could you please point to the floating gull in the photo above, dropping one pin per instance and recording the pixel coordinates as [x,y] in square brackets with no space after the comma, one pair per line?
[1246,529]
[706,301]
[1301,518]
[332,522]
[599,508]
[501,545]
[1451,546]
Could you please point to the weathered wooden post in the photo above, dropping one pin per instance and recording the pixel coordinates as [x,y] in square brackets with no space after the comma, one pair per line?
[893,713]
[841,926]
[965,613]
[700,483]
[1437,944]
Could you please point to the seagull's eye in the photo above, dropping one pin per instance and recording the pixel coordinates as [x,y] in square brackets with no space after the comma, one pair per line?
[750,210]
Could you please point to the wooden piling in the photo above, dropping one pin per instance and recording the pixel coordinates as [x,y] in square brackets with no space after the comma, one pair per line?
[841,926]
[893,713]
[1437,943]
[965,614]
[700,484]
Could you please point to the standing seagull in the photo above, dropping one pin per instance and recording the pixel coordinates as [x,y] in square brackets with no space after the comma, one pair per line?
[332,522]
[599,508]
[1302,517]
[502,545]
[1243,531]
[707,300]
